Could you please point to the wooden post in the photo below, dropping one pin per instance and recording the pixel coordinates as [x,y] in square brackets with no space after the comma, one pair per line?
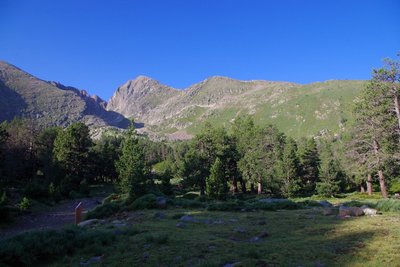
[78,213]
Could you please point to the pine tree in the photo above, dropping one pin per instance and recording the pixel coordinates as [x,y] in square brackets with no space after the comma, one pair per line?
[330,173]
[309,162]
[132,171]
[288,170]
[71,153]
[375,136]
[216,185]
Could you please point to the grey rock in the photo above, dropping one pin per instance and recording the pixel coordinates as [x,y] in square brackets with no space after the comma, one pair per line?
[159,215]
[92,260]
[325,203]
[161,202]
[329,211]
[350,211]
[188,218]
[231,264]
[368,211]
[240,230]
[180,225]
[88,223]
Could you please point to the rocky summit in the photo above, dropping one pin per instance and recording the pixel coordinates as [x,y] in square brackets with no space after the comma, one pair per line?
[162,111]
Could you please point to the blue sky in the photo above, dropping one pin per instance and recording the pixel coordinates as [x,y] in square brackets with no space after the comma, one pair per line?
[98,45]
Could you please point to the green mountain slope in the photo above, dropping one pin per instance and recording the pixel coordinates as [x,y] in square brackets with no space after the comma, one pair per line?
[298,110]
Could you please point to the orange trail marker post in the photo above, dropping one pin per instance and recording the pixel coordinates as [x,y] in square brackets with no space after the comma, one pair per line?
[78,213]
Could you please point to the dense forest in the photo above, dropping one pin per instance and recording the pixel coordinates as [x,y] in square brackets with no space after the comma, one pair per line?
[244,158]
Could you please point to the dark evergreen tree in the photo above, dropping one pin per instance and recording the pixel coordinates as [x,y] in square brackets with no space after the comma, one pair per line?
[309,162]
[288,170]
[216,185]
[71,152]
[330,173]
[133,173]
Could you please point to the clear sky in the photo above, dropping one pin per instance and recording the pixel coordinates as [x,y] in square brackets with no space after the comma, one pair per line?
[98,45]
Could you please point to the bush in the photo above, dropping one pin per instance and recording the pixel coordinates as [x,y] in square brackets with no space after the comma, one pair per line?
[395,187]
[25,204]
[105,210]
[147,201]
[36,190]
[388,205]
[33,247]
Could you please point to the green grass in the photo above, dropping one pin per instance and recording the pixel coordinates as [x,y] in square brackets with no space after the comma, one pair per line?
[300,237]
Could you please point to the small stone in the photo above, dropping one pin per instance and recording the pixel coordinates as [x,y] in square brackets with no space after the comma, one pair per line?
[255,239]
[231,264]
[263,234]
[180,225]
[240,230]
[188,218]
[262,223]
[146,255]
[92,260]
[159,215]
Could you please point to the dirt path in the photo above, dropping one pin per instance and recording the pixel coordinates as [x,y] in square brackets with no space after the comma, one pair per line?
[52,218]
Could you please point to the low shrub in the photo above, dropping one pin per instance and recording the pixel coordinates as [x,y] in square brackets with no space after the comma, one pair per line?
[394,187]
[105,210]
[43,246]
[36,190]
[25,204]
[147,201]
[388,205]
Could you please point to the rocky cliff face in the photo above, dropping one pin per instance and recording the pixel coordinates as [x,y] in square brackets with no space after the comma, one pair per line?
[50,103]
[136,98]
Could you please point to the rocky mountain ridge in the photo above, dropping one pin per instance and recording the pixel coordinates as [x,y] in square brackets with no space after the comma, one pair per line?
[165,112]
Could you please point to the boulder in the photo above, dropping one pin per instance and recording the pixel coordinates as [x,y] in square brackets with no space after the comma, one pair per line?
[350,211]
[329,211]
[356,211]
[369,211]
[344,211]
[325,203]
[88,223]
[161,202]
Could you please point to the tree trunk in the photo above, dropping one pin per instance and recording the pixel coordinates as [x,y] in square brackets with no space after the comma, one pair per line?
[235,185]
[202,188]
[259,187]
[252,190]
[397,109]
[382,184]
[362,189]
[380,172]
[243,185]
[369,184]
